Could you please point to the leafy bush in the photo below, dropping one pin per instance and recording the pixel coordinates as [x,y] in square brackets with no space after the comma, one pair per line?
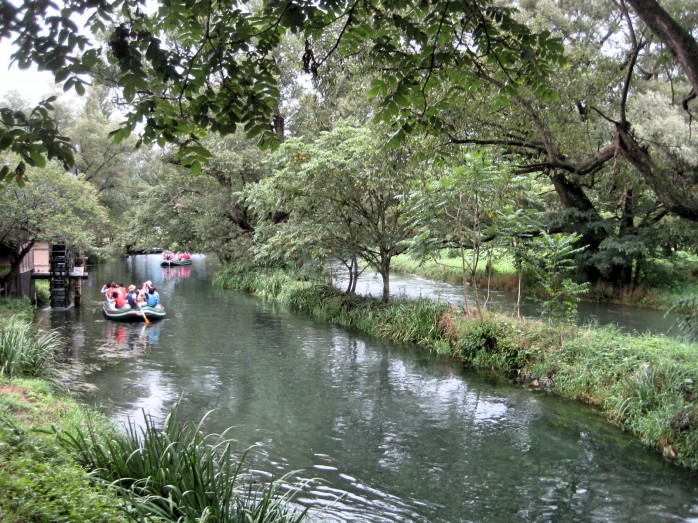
[489,343]
[42,292]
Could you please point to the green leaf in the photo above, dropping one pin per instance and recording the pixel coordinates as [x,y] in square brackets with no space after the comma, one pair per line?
[129,92]
[38,159]
[256,130]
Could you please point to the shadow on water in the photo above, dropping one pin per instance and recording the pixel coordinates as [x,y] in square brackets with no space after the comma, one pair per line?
[390,434]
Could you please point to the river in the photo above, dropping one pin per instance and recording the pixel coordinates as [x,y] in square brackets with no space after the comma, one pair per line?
[389,434]
[627,318]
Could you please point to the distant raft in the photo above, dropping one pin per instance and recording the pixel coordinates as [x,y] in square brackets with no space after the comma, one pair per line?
[130,314]
[176,263]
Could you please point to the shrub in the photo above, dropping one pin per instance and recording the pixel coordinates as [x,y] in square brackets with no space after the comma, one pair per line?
[42,292]
[489,343]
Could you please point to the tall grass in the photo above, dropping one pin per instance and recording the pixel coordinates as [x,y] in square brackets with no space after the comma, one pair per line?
[26,352]
[646,384]
[180,474]
[415,321]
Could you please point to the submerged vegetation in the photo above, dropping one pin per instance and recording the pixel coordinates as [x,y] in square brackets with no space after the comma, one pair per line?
[646,384]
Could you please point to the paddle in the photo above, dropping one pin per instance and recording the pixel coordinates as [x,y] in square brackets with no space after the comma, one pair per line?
[147,321]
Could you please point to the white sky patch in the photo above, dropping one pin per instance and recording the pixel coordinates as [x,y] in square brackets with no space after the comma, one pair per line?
[32,84]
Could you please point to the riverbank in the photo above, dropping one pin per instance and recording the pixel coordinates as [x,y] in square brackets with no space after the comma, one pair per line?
[39,480]
[664,284]
[645,384]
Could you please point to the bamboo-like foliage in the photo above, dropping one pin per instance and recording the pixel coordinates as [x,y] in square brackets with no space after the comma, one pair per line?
[180,474]
[26,352]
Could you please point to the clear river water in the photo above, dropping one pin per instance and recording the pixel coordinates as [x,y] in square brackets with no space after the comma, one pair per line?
[387,433]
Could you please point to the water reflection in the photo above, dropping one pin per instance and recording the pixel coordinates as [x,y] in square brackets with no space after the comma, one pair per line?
[169,273]
[386,434]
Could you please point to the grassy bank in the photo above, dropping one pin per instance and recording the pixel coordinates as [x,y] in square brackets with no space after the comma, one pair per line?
[646,384]
[10,307]
[664,283]
[60,461]
[40,481]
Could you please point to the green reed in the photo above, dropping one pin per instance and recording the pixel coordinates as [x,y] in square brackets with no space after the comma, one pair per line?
[26,352]
[180,474]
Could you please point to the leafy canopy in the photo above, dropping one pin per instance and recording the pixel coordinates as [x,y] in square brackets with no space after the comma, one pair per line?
[189,67]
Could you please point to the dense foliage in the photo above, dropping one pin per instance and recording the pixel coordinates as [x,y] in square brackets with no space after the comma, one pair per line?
[577,116]
[48,206]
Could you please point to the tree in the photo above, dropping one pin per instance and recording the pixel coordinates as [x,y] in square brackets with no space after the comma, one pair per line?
[551,260]
[567,136]
[457,209]
[49,206]
[203,213]
[190,67]
[345,196]
[110,167]
[675,184]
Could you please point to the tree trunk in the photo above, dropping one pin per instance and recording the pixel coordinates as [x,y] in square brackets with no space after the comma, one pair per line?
[676,190]
[678,39]
[355,279]
[350,271]
[518,294]
[385,274]
[6,281]
[572,196]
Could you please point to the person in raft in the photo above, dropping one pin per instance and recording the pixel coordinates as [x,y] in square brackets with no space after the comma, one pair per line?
[132,296]
[153,297]
[146,285]
[115,297]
